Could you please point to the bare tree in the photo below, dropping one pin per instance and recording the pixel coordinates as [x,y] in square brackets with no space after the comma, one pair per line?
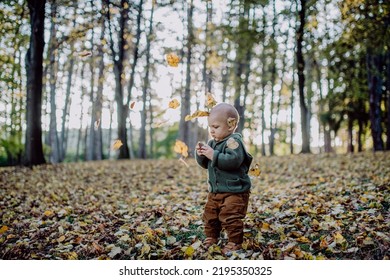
[34,69]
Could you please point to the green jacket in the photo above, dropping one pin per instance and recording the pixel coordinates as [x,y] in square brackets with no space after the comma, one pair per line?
[228,171]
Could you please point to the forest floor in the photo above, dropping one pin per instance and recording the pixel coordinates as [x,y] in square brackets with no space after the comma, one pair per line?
[301,207]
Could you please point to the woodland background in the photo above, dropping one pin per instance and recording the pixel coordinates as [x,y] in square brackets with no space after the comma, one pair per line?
[310,79]
[305,76]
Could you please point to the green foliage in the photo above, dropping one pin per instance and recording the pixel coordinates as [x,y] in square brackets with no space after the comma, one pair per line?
[164,146]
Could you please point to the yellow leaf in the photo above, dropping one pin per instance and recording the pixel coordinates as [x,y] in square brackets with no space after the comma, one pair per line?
[145,249]
[181,148]
[72,256]
[174,103]
[210,101]
[3,229]
[189,251]
[172,59]
[197,114]
[339,238]
[48,213]
[61,238]
[117,144]
[265,227]
[324,244]
[303,239]
[254,171]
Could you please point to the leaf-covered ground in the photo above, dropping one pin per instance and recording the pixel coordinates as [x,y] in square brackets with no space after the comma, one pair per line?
[301,207]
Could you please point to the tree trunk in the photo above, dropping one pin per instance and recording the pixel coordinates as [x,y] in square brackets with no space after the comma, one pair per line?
[263,85]
[118,58]
[53,135]
[132,73]
[388,99]
[142,153]
[184,127]
[350,147]
[65,113]
[374,67]
[80,134]
[97,143]
[305,123]
[34,69]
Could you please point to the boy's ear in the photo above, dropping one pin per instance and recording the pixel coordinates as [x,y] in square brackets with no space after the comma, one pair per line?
[232,123]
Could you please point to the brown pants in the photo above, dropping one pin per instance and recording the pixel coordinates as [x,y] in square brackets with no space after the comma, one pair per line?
[226,210]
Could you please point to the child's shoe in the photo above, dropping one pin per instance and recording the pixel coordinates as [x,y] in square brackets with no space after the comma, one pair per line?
[209,241]
[229,248]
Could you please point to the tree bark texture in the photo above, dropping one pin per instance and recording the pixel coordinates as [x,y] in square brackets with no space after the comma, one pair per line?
[305,124]
[34,58]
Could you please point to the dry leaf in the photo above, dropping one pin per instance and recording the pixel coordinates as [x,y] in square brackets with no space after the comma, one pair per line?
[181,148]
[174,103]
[132,104]
[197,114]
[172,59]
[210,101]
[255,170]
[85,53]
[117,144]
[3,229]
[97,123]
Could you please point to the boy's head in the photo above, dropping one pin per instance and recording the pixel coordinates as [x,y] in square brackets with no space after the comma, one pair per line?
[223,120]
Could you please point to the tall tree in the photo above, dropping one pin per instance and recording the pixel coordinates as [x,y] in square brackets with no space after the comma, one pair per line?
[118,55]
[146,89]
[34,69]
[184,127]
[305,120]
[52,54]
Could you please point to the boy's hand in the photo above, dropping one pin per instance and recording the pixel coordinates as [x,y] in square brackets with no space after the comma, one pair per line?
[204,150]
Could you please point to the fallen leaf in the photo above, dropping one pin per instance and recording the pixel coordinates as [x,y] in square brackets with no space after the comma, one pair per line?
[3,229]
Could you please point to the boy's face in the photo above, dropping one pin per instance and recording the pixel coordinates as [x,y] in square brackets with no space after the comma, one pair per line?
[218,127]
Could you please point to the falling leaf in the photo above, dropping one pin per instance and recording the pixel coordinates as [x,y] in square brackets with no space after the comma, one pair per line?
[159,124]
[181,148]
[197,114]
[117,144]
[85,53]
[132,104]
[255,170]
[210,101]
[174,103]
[97,123]
[172,59]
